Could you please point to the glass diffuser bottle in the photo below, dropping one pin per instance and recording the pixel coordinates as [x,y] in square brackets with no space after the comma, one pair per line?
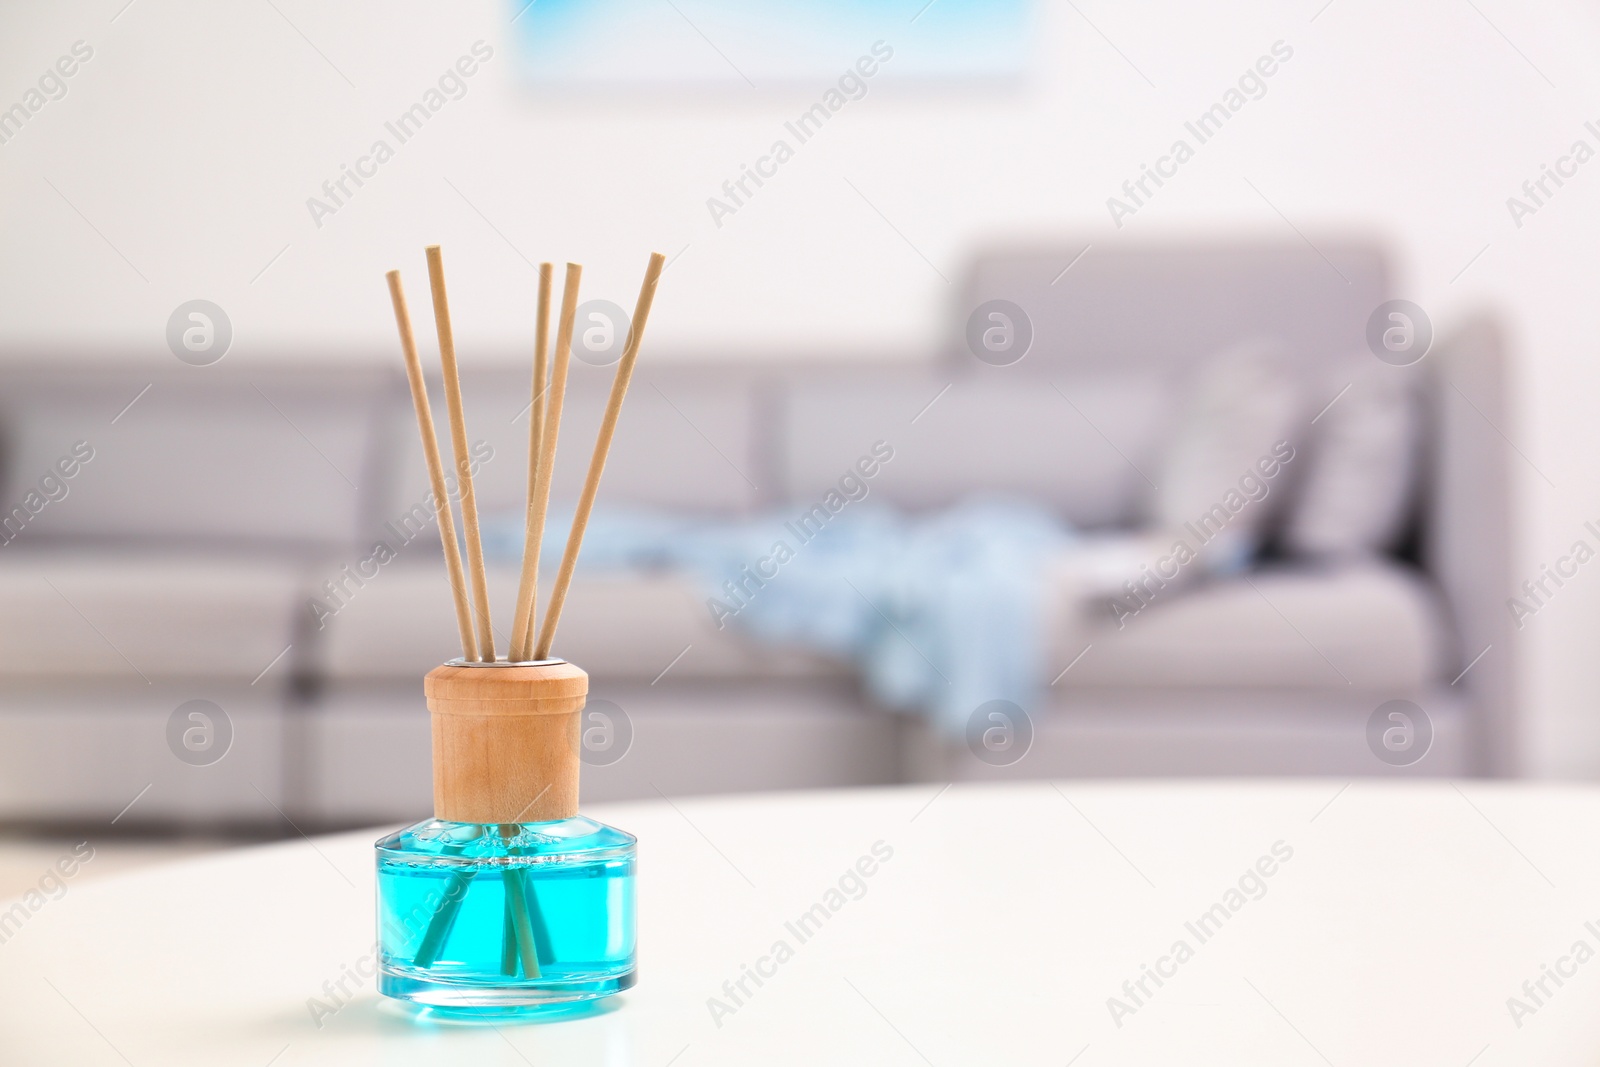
[507,898]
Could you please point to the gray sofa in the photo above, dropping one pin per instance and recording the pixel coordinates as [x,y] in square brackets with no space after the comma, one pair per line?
[181,561]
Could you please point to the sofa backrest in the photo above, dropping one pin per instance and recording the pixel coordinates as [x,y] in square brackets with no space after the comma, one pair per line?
[189,455]
[687,439]
[306,457]
[1163,307]
[1080,422]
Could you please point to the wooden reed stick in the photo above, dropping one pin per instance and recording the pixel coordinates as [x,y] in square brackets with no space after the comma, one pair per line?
[517,902]
[508,943]
[552,429]
[521,937]
[458,439]
[444,915]
[430,451]
[602,446]
[528,588]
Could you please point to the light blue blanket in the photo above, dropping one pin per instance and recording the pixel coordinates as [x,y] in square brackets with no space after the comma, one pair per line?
[940,613]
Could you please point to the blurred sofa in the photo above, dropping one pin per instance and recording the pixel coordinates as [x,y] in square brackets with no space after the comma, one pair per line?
[185,559]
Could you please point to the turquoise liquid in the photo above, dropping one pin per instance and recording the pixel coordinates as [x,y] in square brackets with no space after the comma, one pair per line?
[506,916]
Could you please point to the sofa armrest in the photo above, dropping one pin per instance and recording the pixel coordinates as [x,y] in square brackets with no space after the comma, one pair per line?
[1467,531]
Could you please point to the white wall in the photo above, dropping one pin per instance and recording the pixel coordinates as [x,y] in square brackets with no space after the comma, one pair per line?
[194,135]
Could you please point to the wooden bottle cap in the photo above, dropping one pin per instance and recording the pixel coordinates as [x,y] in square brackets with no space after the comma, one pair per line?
[505,740]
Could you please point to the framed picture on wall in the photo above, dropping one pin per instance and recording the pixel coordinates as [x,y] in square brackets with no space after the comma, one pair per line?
[742,44]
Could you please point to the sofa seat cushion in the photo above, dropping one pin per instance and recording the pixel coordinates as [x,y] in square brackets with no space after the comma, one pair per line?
[616,625]
[1374,626]
[118,614]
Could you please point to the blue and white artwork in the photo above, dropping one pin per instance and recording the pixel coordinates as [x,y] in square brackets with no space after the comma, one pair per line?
[760,43]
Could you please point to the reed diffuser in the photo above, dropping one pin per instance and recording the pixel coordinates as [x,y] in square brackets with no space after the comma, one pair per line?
[508,898]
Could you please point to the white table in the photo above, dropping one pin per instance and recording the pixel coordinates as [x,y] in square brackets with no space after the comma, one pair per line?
[1005,919]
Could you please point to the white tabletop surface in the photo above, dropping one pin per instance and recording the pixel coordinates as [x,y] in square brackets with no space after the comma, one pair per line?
[1005,920]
